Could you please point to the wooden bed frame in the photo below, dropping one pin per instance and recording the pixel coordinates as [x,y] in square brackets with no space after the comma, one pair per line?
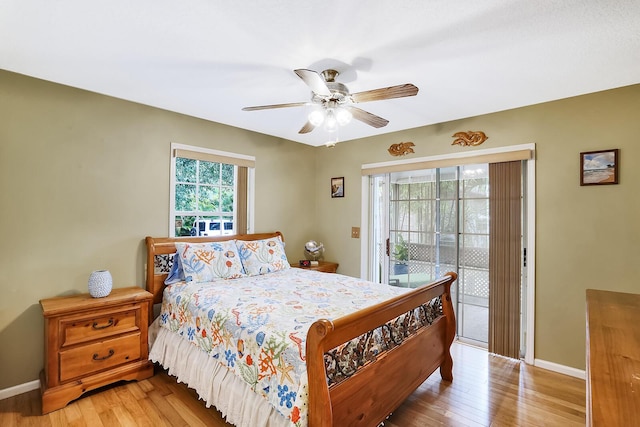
[375,390]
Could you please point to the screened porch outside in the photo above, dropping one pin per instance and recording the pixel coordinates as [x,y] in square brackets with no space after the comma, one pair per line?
[471,289]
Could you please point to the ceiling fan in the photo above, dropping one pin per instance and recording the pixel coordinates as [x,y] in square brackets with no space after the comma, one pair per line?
[335,105]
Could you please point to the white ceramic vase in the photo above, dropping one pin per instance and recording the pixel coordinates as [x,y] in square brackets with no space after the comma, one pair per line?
[100,283]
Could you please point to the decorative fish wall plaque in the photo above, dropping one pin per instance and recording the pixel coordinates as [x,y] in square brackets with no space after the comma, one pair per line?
[401,149]
[470,138]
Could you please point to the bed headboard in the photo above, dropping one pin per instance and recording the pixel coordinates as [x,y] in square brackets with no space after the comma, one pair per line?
[160,252]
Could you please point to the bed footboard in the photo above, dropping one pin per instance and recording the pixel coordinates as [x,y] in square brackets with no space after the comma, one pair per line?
[367,397]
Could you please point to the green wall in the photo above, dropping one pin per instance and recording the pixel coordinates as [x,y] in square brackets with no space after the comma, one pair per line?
[586,237]
[85,177]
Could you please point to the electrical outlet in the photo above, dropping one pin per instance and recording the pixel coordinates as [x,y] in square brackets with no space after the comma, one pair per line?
[355,232]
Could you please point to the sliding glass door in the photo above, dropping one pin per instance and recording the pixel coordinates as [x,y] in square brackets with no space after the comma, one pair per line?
[428,222]
[473,262]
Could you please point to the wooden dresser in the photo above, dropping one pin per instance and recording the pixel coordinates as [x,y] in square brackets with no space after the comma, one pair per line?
[613,358]
[324,266]
[91,342]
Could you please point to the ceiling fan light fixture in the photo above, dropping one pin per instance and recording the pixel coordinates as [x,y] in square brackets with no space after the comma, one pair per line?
[330,122]
[333,103]
[316,117]
[343,116]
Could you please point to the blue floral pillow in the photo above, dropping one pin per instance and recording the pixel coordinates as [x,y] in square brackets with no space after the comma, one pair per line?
[206,262]
[262,256]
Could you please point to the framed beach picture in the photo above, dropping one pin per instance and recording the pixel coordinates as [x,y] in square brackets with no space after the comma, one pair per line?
[599,167]
[337,187]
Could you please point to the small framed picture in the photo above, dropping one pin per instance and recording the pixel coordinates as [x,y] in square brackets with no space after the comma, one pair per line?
[599,167]
[337,187]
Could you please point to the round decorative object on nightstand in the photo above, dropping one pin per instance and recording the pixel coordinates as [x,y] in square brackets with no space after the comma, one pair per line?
[100,283]
[313,250]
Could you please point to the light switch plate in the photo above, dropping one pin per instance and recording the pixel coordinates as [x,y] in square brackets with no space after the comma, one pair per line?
[355,232]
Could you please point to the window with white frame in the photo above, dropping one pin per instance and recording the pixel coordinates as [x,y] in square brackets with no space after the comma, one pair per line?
[210,192]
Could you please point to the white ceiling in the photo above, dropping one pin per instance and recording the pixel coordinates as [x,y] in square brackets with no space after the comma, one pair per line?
[210,58]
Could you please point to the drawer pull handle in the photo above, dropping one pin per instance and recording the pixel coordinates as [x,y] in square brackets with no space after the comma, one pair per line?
[96,357]
[109,323]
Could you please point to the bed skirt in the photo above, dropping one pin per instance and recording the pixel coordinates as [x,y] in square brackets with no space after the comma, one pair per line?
[213,382]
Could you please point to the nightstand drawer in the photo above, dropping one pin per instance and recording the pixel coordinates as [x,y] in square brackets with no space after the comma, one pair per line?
[87,359]
[96,326]
[91,342]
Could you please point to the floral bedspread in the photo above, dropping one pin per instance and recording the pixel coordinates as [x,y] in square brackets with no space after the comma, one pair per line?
[257,326]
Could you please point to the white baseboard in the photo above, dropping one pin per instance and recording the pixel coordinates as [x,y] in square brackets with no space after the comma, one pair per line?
[561,369]
[19,389]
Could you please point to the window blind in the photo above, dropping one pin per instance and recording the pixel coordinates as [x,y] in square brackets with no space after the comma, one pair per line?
[446,161]
[247,162]
[505,242]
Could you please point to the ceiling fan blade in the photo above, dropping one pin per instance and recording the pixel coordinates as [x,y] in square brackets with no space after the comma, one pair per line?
[308,127]
[399,91]
[267,107]
[368,118]
[314,81]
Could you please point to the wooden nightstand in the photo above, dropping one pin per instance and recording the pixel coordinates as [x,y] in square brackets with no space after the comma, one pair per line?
[324,266]
[92,342]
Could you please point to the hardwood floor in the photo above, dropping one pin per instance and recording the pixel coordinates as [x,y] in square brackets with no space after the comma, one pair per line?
[486,391]
[490,390]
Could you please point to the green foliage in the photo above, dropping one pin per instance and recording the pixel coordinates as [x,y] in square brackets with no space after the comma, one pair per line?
[204,186]
[186,170]
[209,199]
[209,173]
[226,198]
[185,197]
[401,249]
[183,224]
[227,174]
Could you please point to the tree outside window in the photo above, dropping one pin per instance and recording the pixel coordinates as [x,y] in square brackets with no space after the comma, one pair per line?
[204,197]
